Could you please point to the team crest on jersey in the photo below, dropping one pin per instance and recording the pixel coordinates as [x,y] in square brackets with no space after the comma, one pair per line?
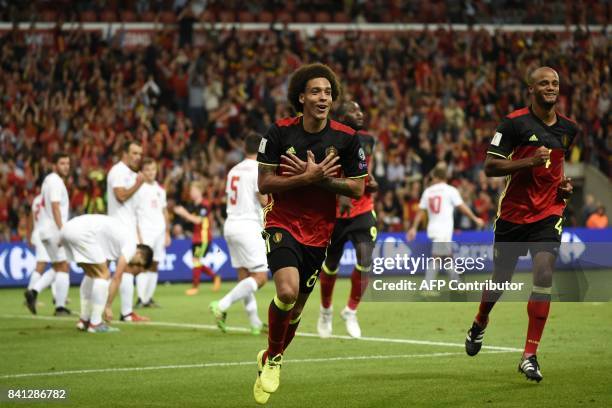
[278,237]
[331,150]
[291,150]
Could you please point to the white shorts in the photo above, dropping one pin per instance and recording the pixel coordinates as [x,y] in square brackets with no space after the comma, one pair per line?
[52,244]
[82,246]
[39,249]
[156,241]
[441,245]
[246,245]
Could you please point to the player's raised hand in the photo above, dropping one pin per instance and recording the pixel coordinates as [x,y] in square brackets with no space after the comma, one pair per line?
[479,223]
[540,157]
[140,178]
[566,188]
[411,234]
[292,165]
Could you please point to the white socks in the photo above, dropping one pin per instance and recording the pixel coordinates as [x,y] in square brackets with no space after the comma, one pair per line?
[431,274]
[45,281]
[242,289]
[142,280]
[62,285]
[34,277]
[146,282]
[99,295]
[126,290]
[151,285]
[250,306]
[86,289]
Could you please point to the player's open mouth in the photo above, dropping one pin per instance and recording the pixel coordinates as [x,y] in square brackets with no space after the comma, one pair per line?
[322,108]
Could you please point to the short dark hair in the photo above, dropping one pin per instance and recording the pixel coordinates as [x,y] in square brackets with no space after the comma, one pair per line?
[128,143]
[148,160]
[58,155]
[251,143]
[147,252]
[299,79]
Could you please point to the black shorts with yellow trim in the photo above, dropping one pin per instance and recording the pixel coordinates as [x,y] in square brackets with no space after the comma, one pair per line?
[358,229]
[540,236]
[199,250]
[283,250]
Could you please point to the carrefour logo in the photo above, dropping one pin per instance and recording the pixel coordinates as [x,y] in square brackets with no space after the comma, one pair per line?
[16,263]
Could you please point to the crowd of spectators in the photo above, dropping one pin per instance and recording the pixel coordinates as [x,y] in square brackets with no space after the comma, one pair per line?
[427,96]
[323,11]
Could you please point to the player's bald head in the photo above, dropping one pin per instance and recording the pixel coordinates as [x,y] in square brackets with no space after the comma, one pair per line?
[540,72]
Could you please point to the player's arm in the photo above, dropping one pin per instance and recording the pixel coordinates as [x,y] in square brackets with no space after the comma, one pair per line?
[467,211]
[30,226]
[350,187]
[114,286]
[122,194]
[262,198]
[183,213]
[168,239]
[496,166]
[57,214]
[420,215]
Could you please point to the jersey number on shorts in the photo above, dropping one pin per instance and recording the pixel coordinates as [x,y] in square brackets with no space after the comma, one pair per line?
[434,204]
[234,187]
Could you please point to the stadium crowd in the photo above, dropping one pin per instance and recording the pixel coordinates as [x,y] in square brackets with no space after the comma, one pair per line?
[427,96]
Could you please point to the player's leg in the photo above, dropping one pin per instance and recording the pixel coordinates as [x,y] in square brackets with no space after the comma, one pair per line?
[126,290]
[86,299]
[36,273]
[99,295]
[359,283]
[152,276]
[250,303]
[505,257]
[328,276]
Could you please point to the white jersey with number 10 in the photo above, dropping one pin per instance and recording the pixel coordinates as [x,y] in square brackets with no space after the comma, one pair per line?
[440,200]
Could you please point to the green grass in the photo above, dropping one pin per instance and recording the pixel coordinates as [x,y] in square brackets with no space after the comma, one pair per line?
[575,354]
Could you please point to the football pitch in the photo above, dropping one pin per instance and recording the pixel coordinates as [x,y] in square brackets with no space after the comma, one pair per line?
[411,355]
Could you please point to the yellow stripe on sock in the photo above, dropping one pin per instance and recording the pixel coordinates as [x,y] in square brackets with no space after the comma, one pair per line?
[296,320]
[283,306]
[329,271]
[363,269]
[542,290]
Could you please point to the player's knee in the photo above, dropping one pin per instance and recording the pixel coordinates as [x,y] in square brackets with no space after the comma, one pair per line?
[287,293]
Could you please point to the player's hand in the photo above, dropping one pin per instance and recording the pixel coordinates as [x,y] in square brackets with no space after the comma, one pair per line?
[411,235]
[479,223]
[565,188]
[292,165]
[540,157]
[108,314]
[327,168]
[140,178]
[345,205]
[179,210]
[371,185]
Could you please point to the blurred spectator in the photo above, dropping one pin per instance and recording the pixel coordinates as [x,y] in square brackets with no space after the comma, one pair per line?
[598,219]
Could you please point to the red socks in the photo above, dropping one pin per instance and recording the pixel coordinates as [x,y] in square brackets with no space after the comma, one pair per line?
[291,329]
[196,273]
[279,315]
[537,310]
[359,283]
[328,280]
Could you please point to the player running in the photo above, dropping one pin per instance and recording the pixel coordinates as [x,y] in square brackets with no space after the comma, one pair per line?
[355,222]
[242,232]
[92,241]
[299,159]
[153,230]
[122,183]
[438,203]
[528,148]
[53,215]
[200,216]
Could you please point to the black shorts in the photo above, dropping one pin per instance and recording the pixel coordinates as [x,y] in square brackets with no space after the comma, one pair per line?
[199,250]
[283,250]
[543,235]
[361,228]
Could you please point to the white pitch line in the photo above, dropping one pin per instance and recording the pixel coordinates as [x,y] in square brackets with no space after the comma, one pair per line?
[302,334]
[233,364]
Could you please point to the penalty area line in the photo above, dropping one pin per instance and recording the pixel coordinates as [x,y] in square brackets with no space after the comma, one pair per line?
[235,364]
[301,334]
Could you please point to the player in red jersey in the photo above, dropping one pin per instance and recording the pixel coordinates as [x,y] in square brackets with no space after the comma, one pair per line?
[299,160]
[356,221]
[199,215]
[528,148]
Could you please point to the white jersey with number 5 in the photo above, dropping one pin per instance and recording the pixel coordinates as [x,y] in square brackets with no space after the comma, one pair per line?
[241,190]
[440,200]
